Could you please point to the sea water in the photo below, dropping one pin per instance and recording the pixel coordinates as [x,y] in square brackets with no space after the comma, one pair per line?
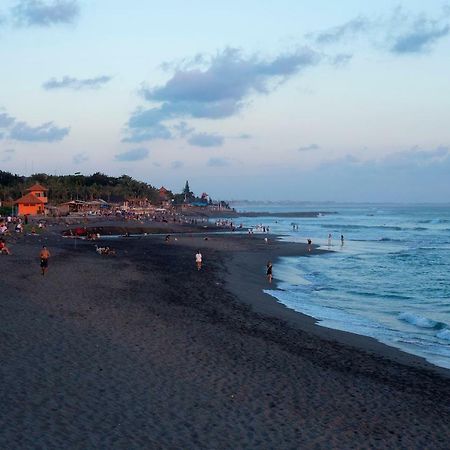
[389,279]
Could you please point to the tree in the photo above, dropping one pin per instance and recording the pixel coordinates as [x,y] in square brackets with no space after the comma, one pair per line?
[65,187]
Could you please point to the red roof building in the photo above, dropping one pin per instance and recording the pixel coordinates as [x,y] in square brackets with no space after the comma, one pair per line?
[34,202]
[163,193]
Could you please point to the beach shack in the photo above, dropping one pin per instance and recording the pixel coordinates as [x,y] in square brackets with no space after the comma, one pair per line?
[163,194]
[33,202]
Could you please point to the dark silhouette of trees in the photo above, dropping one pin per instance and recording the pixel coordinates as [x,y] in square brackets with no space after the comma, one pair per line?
[63,188]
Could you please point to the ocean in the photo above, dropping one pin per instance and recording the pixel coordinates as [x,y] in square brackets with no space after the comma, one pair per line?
[389,279]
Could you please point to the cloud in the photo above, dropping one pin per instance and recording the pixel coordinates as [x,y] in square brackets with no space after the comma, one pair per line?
[420,37]
[400,33]
[246,73]
[340,60]
[75,83]
[416,157]
[6,120]
[21,131]
[177,165]
[46,132]
[148,133]
[406,161]
[412,175]
[350,29]
[80,158]
[216,87]
[136,154]
[217,162]
[243,136]
[308,148]
[206,140]
[44,14]
[183,129]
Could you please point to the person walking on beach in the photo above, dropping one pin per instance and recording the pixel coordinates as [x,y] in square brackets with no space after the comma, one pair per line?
[44,256]
[269,271]
[198,259]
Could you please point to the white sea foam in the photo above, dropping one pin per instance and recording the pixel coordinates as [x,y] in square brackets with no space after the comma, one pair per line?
[418,321]
[387,281]
[444,334]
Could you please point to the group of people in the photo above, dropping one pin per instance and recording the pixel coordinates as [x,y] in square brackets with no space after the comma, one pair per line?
[17,223]
[105,251]
[44,254]
[269,267]
[330,237]
[7,227]
[259,228]
[226,223]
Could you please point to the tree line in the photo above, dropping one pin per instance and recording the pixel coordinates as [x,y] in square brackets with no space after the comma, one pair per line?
[63,188]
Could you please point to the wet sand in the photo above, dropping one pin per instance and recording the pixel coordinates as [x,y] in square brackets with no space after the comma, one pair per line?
[141,350]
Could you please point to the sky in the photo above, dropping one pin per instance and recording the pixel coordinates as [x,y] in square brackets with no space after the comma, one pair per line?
[261,100]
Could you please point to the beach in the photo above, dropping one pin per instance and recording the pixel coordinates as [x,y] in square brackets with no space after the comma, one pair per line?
[141,350]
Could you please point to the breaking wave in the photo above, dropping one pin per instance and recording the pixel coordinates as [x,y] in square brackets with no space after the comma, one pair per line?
[420,321]
[444,334]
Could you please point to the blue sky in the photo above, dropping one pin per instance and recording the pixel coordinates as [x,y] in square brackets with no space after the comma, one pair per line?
[294,100]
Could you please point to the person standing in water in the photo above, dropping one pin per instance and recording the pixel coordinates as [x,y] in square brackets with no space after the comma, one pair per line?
[44,257]
[269,271]
[342,239]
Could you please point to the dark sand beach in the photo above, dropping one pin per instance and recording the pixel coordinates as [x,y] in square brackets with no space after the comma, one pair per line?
[141,351]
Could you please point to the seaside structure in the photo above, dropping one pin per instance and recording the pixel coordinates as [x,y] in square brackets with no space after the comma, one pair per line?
[80,206]
[165,197]
[136,203]
[163,193]
[33,202]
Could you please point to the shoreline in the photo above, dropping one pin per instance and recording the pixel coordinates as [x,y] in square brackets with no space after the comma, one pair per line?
[141,350]
[261,302]
[269,306]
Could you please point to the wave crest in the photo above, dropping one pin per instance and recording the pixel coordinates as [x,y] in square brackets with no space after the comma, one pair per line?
[444,334]
[418,321]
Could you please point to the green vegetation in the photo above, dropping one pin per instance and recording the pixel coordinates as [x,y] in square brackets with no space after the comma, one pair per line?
[186,195]
[63,188]
[5,211]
